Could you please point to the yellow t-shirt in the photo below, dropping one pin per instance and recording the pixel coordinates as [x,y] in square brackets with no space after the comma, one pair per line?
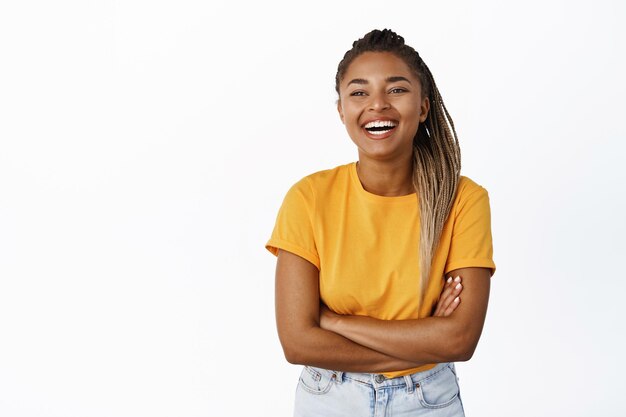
[366,246]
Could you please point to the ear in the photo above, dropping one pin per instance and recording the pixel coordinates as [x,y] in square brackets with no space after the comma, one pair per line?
[424,108]
[340,110]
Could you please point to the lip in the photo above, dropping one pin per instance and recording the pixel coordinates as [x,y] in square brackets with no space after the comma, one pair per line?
[382,119]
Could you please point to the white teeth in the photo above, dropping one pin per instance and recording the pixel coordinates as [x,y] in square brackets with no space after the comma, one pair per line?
[380,132]
[380,123]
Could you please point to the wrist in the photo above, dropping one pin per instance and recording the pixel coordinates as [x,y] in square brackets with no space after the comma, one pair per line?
[336,323]
[340,324]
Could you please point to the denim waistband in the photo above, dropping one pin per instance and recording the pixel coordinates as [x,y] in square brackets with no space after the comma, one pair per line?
[380,381]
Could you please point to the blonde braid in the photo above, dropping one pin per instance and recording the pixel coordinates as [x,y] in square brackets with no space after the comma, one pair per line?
[436,175]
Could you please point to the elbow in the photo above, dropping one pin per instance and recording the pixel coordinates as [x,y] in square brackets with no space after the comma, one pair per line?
[294,349]
[464,348]
[464,355]
[298,355]
[292,355]
[301,344]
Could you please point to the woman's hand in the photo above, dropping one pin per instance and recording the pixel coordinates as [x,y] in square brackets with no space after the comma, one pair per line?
[449,299]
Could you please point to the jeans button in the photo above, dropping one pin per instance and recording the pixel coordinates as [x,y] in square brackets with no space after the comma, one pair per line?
[379,378]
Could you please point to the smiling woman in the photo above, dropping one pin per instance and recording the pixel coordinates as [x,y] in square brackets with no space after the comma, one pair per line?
[373,255]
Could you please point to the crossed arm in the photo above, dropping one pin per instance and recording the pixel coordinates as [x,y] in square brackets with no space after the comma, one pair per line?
[314,335]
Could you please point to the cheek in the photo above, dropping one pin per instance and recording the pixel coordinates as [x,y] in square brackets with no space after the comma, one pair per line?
[411,124]
[350,116]
[412,113]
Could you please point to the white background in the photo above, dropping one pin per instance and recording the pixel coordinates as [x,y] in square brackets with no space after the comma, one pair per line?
[147,145]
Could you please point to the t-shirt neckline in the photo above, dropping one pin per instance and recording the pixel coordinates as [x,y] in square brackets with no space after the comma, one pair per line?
[409,198]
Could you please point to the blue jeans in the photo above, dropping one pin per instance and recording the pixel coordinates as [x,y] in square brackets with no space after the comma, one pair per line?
[326,393]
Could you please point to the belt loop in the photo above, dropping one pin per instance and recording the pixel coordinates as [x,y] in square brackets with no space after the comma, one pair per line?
[409,384]
[338,376]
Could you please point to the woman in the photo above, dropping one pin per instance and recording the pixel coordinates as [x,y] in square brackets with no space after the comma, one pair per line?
[370,306]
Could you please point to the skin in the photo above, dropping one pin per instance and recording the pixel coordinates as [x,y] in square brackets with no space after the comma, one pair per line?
[378,85]
[449,338]
[381,85]
[305,341]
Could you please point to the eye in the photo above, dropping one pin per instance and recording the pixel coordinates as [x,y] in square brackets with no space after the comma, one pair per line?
[357,93]
[398,90]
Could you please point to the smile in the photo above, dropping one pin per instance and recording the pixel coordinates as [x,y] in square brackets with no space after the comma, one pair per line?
[380,128]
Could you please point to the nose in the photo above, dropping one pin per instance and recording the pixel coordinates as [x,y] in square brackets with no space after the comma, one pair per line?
[378,102]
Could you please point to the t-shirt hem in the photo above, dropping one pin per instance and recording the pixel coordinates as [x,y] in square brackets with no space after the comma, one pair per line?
[274,244]
[396,374]
[469,263]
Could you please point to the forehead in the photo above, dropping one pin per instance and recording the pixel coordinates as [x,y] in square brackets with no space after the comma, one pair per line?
[377,65]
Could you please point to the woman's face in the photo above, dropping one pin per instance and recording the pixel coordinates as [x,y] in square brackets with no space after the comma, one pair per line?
[381,105]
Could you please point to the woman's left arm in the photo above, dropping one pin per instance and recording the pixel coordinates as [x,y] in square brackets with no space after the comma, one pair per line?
[427,340]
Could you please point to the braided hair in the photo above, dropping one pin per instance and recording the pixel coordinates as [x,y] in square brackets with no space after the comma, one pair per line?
[436,152]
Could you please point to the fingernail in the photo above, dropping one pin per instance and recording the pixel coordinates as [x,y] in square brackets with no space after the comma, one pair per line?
[456,300]
[458,286]
[457,279]
[449,280]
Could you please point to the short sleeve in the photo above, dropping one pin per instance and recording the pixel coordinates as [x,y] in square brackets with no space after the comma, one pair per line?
[471,244]
[294,231]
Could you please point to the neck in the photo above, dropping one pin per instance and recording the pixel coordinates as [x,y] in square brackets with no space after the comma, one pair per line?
[389,179]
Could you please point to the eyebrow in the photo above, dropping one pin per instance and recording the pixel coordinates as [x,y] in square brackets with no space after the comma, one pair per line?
[393,79]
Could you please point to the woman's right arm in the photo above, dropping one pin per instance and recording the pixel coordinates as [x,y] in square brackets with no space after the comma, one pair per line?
[303,340]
